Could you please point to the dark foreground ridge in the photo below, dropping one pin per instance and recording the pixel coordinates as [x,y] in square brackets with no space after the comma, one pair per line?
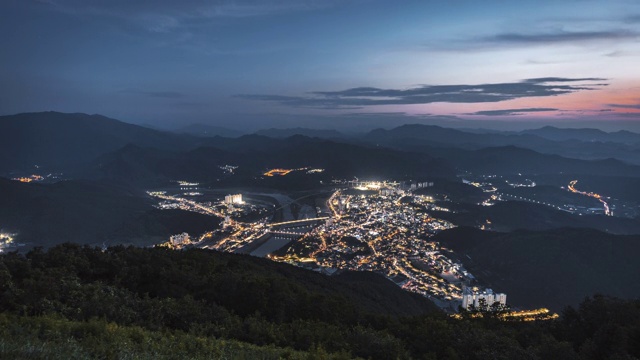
[81,302]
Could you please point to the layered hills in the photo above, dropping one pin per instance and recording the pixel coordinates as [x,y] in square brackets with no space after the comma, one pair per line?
[587,144]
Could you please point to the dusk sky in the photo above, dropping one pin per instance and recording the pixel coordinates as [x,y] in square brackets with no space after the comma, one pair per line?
[325,63]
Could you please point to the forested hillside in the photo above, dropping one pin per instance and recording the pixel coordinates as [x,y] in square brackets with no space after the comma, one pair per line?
[80,302]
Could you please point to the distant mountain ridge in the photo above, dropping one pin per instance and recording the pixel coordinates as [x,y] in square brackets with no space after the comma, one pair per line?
[53,139]
[74,141]
[510,159]
[285,133]
[255,154]
[564,142]
[585,134]
[416,133]
[208,131]
[496,137]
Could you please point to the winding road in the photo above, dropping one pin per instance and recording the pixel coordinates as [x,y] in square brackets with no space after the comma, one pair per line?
[607,209]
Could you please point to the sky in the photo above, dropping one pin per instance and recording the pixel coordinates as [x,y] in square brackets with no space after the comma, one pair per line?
[352,64]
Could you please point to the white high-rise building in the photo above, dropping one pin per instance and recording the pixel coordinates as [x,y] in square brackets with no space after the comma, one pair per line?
[180,239]
[470,297]
[233,199]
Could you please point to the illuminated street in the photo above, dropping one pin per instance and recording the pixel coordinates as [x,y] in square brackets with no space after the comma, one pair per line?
[607,209]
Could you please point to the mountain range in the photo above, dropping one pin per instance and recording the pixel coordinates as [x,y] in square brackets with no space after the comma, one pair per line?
[65,141]
[82,143]
[572,143]
[112,162]
[591,135]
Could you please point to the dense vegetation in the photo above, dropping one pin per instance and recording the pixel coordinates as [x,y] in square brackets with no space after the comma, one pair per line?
[81,302]
[22,337]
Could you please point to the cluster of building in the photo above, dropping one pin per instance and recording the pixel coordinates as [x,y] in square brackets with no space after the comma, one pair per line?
[475,299]
[231,236]
[51,177]
[283,172]
[180,239]
[420,185]
[6,240]
[387,230]
[186,185]
[228,169]
[28,179]
[374,226]
[233,199]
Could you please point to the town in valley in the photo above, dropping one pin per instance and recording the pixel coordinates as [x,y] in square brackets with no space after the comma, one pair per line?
[379,226]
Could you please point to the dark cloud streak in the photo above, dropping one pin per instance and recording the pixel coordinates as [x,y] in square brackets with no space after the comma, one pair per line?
[156,94]
[506,112]
[560,37]
[549,38]
[483,93]
[625,106]
[559,79]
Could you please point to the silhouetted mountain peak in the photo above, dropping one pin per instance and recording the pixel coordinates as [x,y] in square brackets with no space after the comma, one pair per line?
[60,140]
[312,133]
[199,129]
